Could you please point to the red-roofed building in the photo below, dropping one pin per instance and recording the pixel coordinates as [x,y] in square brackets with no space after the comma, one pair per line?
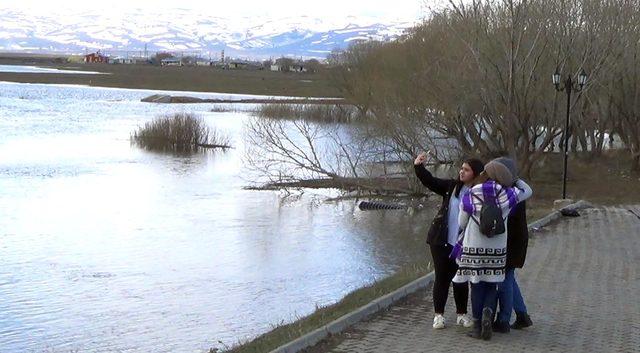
[96,57]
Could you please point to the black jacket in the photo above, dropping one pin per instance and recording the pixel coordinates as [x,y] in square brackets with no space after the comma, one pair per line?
[439,229]
[518,236]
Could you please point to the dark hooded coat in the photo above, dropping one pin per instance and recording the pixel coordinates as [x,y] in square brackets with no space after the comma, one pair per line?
[517,229]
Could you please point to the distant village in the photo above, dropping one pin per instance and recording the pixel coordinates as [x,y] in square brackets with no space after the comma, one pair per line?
[282,64]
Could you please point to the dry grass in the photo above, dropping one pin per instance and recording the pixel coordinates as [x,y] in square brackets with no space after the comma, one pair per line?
[227,108]
[323,113]
[178,133]
[178,78]
[605,180]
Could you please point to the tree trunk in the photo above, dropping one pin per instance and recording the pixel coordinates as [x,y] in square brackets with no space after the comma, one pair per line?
[635,162]
[574,141]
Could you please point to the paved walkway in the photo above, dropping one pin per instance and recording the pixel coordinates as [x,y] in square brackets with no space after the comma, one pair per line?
[581,284]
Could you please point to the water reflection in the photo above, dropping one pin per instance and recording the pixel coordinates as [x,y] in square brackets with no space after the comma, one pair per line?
[107,247]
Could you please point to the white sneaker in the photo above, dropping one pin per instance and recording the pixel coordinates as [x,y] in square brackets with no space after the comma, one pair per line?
[464,320]
[438,321]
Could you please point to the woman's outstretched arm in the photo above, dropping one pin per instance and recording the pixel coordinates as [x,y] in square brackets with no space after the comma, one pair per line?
[525,190]
[437,185]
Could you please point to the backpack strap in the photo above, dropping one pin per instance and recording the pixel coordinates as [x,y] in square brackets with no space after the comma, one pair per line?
[482,202]
[471,215]
[498,202]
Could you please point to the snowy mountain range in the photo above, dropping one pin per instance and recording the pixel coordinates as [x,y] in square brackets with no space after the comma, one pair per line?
[189,31]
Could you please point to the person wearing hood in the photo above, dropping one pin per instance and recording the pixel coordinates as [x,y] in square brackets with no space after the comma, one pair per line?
[483,255]
[443,234]
[509,294]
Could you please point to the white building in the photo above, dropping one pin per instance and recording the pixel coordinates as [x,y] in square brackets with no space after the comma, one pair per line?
[171,62]
[121,60]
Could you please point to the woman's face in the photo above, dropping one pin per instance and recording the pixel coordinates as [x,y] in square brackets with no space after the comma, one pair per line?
[466,173]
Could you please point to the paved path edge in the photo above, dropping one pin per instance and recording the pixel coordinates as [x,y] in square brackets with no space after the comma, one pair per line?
[344,322]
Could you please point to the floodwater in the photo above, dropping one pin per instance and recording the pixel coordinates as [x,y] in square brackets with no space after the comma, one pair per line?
[105,247]
[44,70]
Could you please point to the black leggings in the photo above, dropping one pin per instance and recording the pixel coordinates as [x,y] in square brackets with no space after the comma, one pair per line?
[445,269]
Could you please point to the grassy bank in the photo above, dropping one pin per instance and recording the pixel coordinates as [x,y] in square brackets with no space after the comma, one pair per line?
[178,78]
[604,180]
[322,316]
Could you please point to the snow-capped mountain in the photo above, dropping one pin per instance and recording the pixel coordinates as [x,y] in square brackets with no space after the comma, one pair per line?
[188,31]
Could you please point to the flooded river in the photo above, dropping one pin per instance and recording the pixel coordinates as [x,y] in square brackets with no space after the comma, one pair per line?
[105,247]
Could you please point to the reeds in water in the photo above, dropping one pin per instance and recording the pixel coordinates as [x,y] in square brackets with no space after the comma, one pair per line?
[322,113]
[179,133]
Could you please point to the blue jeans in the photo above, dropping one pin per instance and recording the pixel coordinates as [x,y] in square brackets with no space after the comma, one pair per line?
[510,297]
[483,294]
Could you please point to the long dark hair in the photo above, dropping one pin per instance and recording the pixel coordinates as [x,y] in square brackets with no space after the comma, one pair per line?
[476,165]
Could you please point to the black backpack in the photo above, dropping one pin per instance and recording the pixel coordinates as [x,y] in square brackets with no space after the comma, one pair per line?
[491,222]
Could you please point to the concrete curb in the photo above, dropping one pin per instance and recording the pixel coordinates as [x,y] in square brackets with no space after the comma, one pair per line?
[556,214]
[342,323]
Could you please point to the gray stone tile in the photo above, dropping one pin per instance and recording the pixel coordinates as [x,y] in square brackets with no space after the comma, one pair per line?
[581,284]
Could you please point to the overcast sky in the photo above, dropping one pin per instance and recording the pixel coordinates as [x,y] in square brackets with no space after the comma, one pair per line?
[406,10]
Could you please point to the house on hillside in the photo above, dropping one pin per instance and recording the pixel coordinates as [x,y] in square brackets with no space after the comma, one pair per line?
[96,57]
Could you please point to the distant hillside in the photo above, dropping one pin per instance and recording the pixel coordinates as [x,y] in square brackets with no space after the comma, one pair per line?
[190,31]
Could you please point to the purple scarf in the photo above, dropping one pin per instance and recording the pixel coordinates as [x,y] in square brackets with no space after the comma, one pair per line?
[489,191]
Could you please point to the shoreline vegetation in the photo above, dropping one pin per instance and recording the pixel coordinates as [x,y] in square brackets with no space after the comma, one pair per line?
[353,187]
[330,112]
[179,133]
[168,99]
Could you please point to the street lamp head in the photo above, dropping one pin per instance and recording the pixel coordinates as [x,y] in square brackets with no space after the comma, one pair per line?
[582,78]
[556,78]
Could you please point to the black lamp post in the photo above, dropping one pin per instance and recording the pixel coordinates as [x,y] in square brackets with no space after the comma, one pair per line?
[569,85]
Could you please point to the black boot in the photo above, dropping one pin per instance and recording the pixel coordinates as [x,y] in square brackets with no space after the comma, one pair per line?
[485,329]
[522,320]
[501,326]
[475,330]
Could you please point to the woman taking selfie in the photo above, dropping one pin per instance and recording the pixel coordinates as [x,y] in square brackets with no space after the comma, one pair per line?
[443,234]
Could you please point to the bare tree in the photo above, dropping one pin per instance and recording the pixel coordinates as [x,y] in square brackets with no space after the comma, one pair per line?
[313,65]
[479,73]
[298,152]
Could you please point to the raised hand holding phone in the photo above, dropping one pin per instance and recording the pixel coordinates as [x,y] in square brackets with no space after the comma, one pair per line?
[421,158]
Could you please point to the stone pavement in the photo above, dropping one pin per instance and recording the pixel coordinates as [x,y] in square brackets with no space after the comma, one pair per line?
[581,284]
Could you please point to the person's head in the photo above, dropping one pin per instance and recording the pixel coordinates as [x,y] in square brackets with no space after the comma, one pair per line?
[510,164]
[498,172]
[469,170]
